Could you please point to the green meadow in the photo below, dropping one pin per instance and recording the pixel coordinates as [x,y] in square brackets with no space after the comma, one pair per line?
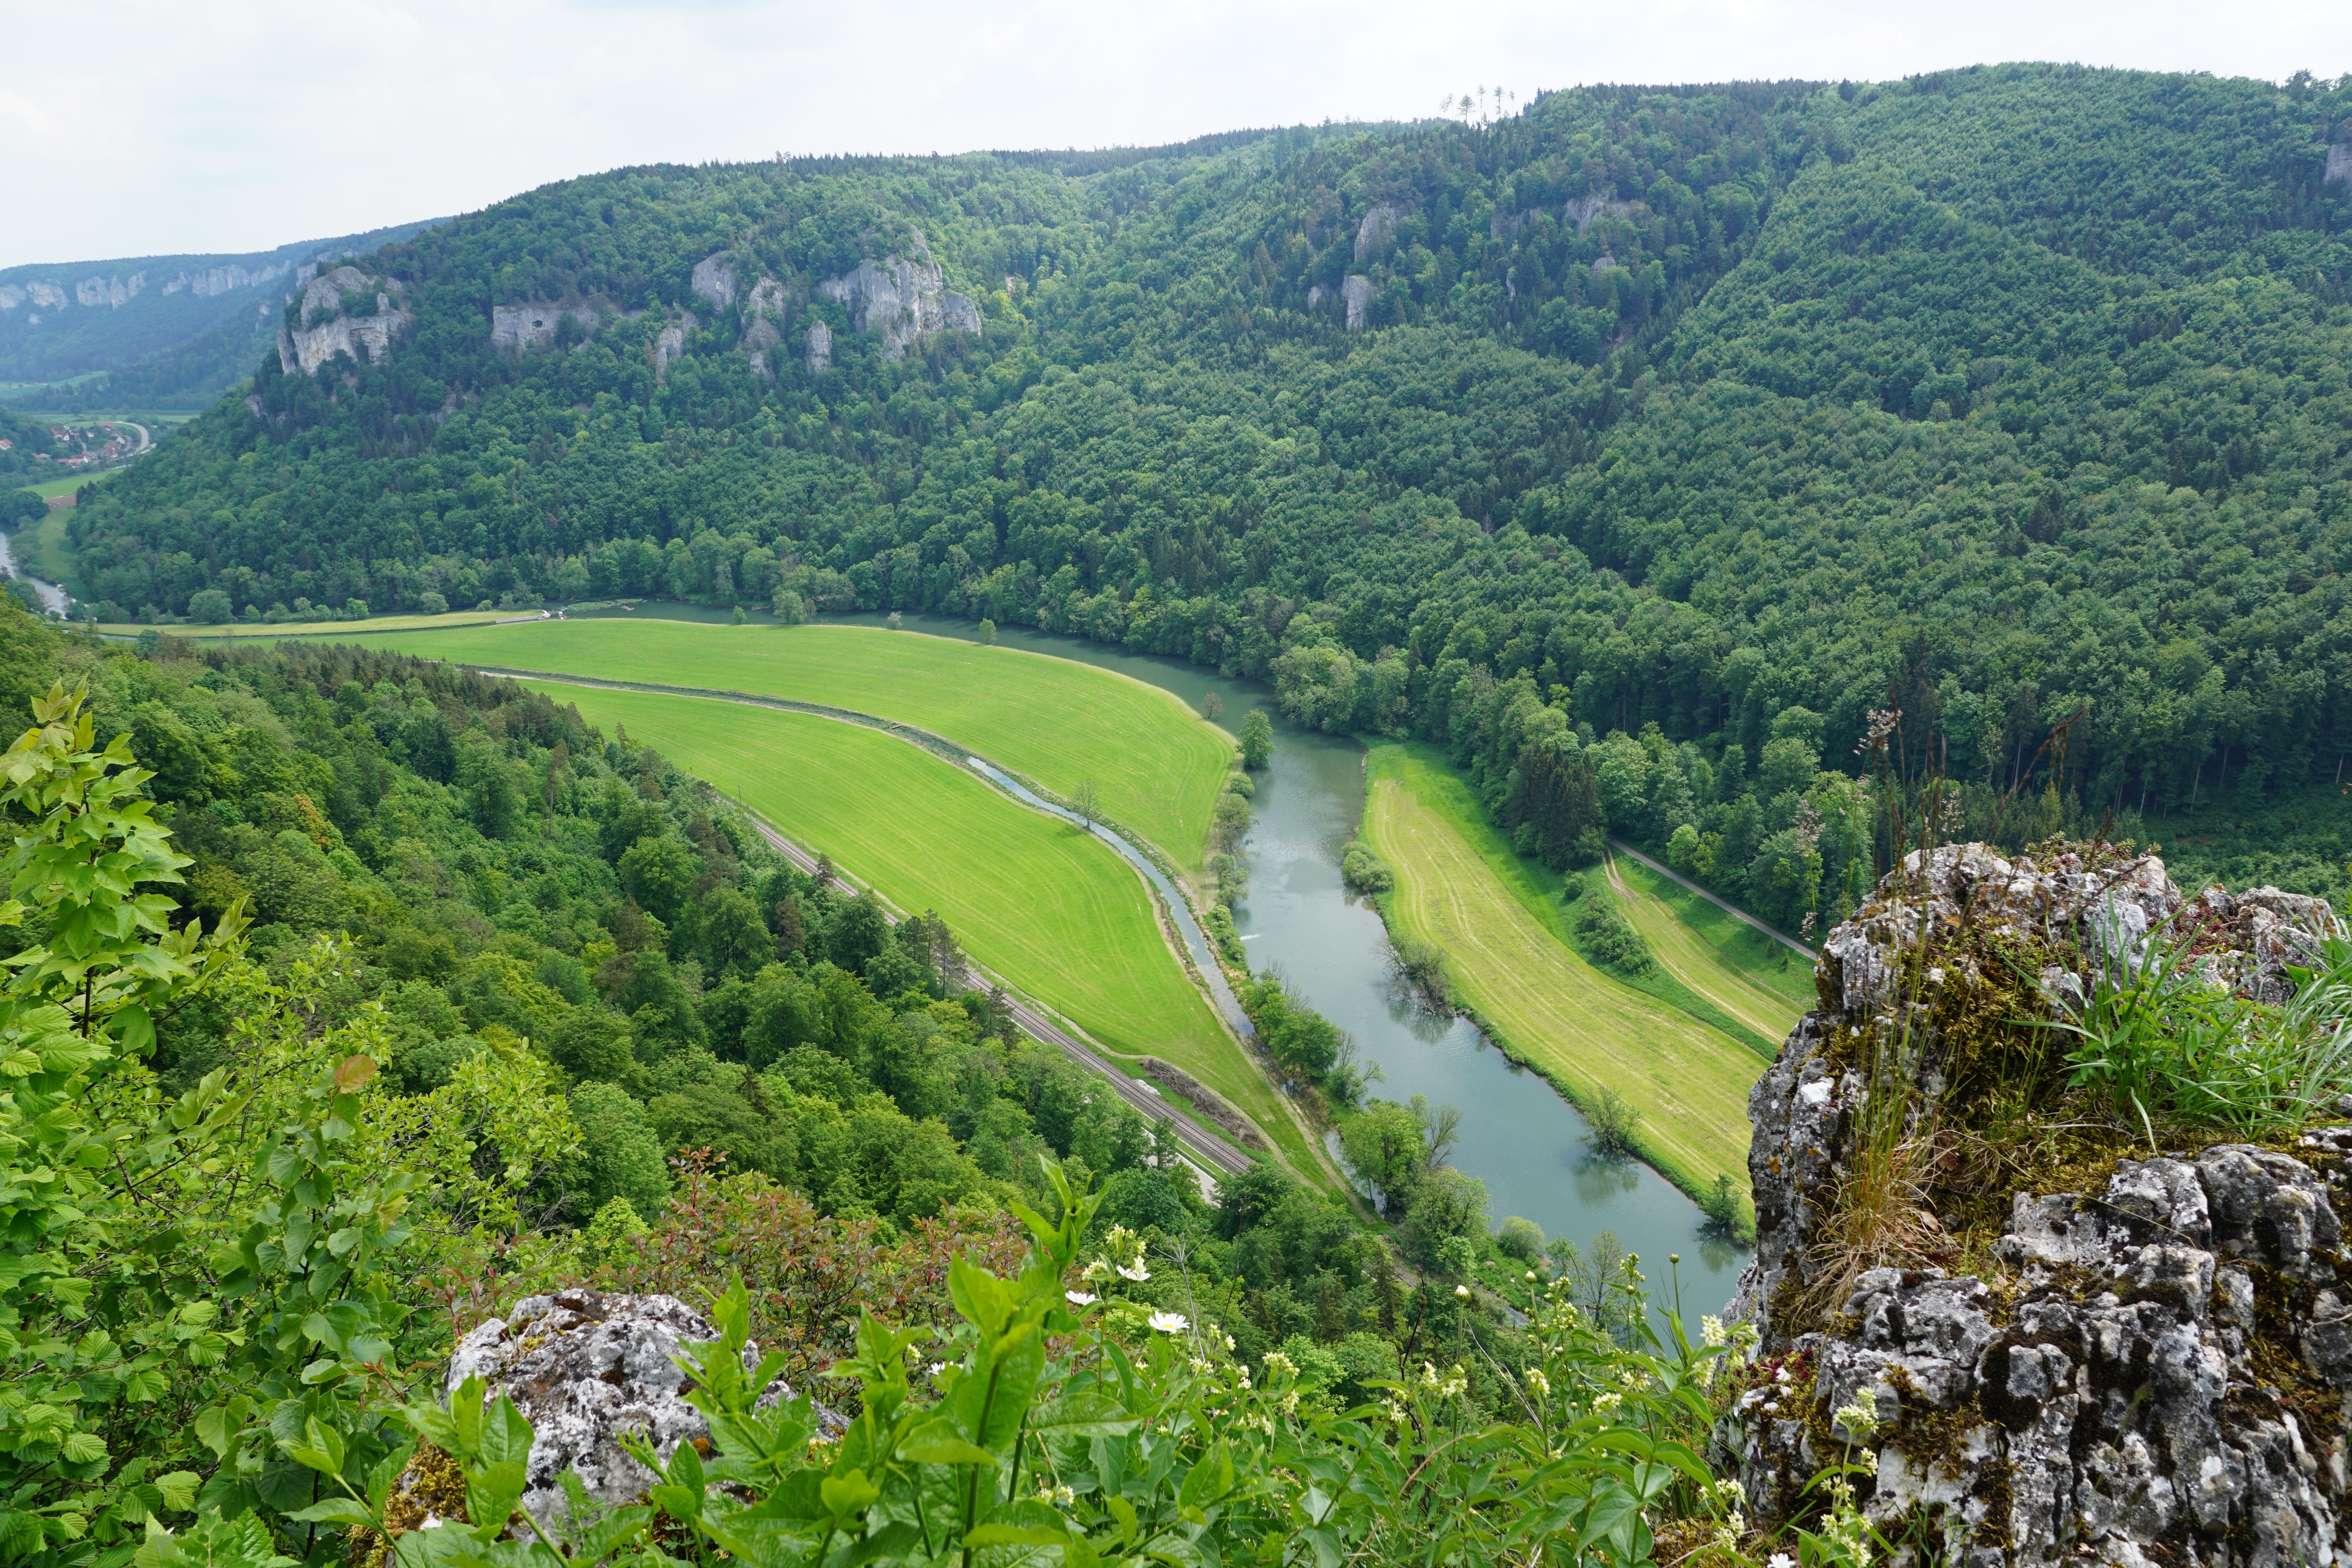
[1496,918]
[1054,913]
[1156,766]
[1759,982]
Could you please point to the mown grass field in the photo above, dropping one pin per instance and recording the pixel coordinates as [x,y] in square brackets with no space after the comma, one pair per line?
[1157,765]
[1033,899]
[337,631]
[1460,889]
[1731,963]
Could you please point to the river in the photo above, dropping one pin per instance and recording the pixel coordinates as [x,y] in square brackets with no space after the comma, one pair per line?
[52,597]
[1518,1136]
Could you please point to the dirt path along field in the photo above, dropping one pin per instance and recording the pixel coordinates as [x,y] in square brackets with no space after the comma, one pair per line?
[1546,1005]
[1693,960]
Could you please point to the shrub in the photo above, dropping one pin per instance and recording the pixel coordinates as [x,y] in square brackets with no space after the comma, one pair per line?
[1520,1238]
[1364,871]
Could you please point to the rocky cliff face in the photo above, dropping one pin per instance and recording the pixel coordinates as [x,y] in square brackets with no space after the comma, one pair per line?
[899,300]
[533,324]
[328,329]
[2150,1358]
[1356,294]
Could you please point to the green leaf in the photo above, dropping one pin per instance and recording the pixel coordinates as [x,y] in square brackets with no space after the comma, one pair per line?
[852,1493]
[980,1297]
[891,1540]
[939,1441]
[1209,1480]
[492,1491]
[82,1448]
[340,1510]
[1083,1415]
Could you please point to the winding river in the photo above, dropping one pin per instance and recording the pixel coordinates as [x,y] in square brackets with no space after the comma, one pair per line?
[1529,1145]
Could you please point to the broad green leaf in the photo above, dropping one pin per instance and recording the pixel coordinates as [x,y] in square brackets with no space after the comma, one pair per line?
[340,1510]
[852,1493]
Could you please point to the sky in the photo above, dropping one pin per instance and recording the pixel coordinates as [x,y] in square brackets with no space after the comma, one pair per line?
[147,126]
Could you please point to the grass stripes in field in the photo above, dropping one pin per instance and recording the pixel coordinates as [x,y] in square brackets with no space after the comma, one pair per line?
[1755,980]
[1157,765]
[1054,913]
[1460,889]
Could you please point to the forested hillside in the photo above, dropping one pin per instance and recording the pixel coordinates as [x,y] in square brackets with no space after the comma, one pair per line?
[1996,395]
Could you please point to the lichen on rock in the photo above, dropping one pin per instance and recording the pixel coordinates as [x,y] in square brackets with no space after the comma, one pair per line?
[2146,1357]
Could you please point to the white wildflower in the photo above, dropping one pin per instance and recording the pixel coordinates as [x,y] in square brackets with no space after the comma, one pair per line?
[1135,1271]
[1537,1381]
[1606,1404]
[1711,1330]
[1462,1292]
[1857,1420]
[1063,1497]
[1080,1297]
[1168,1322]
[1780,1560]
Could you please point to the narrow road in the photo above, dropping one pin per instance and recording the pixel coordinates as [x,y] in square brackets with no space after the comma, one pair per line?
[1211,1154]
[1731,909]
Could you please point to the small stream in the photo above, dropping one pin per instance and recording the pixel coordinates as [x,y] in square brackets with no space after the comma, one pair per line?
[1518,1136]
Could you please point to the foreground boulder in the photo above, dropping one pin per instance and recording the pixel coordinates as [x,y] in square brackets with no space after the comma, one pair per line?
[2149,1363]
[586,1369]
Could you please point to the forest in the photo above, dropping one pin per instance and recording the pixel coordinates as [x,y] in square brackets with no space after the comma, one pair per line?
[2021,389]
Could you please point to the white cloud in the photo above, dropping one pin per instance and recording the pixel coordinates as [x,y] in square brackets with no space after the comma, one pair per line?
[244,123]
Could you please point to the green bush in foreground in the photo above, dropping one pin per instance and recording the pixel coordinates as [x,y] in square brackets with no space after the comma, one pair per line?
[1052,1417]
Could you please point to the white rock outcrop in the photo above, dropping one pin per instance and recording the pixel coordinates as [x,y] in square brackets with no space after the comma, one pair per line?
[1357,293]
[112,292]
[2339,166]
[1373,235]
[820,347]
[533,324]
[899,301]
[1316,295]
[1603,202]
[763,327]
[585,1368]
[714,281]
[670,343]
[327,331]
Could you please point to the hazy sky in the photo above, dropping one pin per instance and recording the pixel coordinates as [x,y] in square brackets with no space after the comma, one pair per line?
[146,126]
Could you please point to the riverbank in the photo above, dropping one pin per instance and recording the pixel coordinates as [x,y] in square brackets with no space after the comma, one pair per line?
[1460,889]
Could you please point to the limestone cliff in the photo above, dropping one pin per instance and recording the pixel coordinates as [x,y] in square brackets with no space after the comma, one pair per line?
[2080,1348]
[1375,232]
[899,301]
[1356,292]
[533,324]
[328,327]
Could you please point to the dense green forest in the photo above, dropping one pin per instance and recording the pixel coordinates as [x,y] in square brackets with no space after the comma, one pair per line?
[2000,395]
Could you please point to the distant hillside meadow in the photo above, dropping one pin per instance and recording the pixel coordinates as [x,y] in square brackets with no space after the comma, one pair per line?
[1999,396]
